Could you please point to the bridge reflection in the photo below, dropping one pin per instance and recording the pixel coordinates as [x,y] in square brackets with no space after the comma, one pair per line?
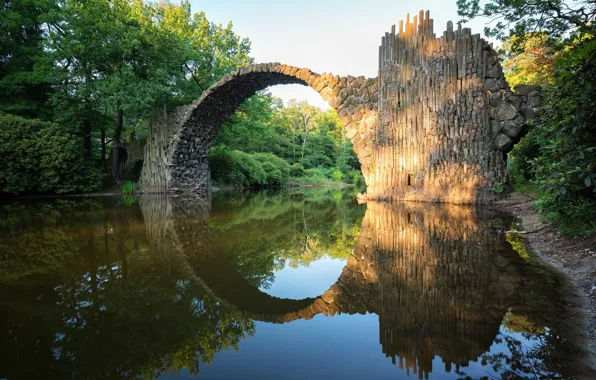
[441,279]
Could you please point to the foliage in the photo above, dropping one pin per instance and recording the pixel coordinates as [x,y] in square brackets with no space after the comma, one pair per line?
[519,159]
[551,43]
[277,170]
[534,64]
[128,188]
[24,86]
[565,168]
[297,170]
[234,167]
[102,68]
[41,157]
[552,18]
[304,136]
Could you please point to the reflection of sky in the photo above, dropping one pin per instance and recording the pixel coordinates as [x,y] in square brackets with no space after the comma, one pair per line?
[344,346]
[304,282]
[339,347]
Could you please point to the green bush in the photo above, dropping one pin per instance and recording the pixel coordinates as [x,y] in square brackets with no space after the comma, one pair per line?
[39,157]
[565,168]
[519,160]
[277,169]
[297,170]
[337,175]
[235,168]
[128,188]
[316,176]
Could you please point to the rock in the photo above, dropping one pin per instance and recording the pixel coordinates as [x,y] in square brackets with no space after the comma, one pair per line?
[512,129]
[503,143]
[491,85]
[525,89]
[505,112]
[496,127]
[515,101]
[534,101]
[494,72]
[496,99]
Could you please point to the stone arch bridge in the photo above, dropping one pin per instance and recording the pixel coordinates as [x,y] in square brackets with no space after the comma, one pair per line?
[434,125]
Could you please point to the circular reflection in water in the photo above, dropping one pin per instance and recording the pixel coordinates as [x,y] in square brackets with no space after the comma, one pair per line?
[305,281]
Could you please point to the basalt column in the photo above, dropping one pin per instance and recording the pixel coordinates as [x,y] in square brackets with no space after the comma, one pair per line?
[446,116]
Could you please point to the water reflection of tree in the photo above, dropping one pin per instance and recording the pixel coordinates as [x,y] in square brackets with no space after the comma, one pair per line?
[82,297]
[530,351]
[274,227]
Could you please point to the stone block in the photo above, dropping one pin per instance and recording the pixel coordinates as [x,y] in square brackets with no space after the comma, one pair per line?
[525,89]
[505,111]
[512,129]
[503,143]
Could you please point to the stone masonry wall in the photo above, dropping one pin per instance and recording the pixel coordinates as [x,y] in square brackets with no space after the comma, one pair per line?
[446,116]
[179,143]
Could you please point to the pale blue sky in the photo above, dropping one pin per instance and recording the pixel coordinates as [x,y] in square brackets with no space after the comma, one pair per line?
[335,36]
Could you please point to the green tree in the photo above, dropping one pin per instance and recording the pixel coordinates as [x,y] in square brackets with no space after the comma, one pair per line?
[41,157]
[24,86]
[535,64]
[554,18]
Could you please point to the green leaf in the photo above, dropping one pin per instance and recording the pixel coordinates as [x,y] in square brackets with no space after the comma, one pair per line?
[588,181]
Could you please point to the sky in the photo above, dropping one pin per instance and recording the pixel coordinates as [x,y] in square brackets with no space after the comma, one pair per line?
[337,36]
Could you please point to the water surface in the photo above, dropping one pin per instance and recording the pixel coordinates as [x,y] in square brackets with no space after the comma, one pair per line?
[271,284]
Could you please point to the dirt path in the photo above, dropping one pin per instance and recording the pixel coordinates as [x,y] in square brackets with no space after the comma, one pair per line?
[575,257]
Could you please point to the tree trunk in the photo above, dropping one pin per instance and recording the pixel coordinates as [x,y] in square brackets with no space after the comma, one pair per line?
[87,137]
[103,149]
[304,144]
[116,147]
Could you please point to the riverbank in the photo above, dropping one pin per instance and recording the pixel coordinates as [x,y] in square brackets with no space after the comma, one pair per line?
[117,190]
[573,256]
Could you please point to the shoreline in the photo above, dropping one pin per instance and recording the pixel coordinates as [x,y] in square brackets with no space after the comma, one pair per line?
[575,259]
[113,192]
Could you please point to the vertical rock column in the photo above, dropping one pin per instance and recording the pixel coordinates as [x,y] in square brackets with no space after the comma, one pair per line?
[446,116]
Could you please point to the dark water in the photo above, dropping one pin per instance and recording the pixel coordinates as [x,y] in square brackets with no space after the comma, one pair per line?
[303,284]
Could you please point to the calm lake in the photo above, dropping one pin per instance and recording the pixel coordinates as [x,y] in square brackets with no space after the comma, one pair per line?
[268,285]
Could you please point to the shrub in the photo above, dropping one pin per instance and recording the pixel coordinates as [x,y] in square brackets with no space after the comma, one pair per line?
[337,176]
[519,160]
[277,169]
[236,168]
[297,170]
[40,157]
[315,176]
[565,168]
[128,188]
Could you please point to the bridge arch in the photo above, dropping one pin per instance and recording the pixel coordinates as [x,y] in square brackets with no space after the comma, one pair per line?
[434,126]
[179,157]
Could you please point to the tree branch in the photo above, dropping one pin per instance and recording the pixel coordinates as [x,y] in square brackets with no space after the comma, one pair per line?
[194,77]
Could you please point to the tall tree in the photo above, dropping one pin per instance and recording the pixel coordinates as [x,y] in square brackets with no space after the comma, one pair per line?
[303,118]
[24,88]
